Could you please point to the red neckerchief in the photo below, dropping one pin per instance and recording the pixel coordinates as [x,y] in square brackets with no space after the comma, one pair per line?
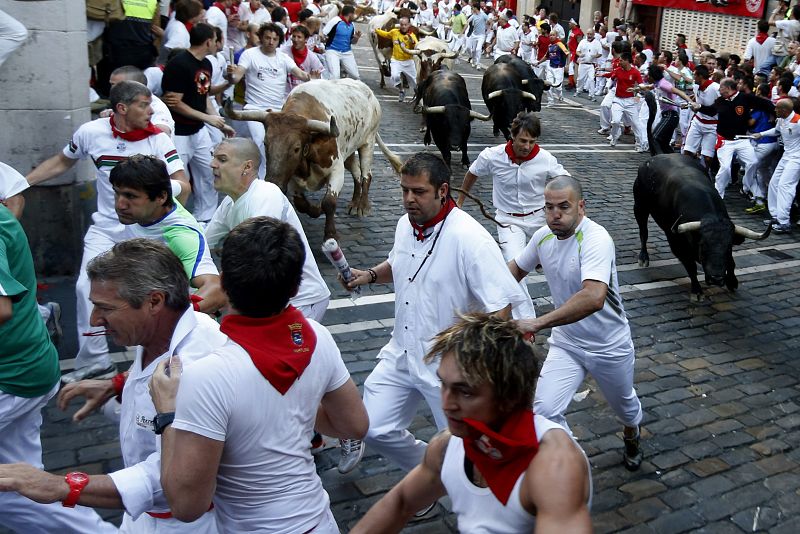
[513,157]
[280,346]
[501,457]
[345,21]
[683,46]
[761,37]
[506,25]
[704,85]
[419,229]
[299,56]
[134,135]
[221,7]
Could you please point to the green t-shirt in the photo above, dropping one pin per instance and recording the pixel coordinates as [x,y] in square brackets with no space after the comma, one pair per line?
[458,22]
[28,360]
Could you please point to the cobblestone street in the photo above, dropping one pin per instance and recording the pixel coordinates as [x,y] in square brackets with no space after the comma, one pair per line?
[718,379]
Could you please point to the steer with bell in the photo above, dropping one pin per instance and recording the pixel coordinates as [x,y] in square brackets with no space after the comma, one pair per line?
[675,190]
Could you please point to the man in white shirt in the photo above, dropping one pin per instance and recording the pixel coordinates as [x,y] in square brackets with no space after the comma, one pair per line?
[590,332]
[759,48]
[265,71]
[141,296]
[255,465]
[701,137]
[519,170]
[589,51]
[506,39]
[217,15]
[107,141]
[162,118]
[442,263]
[234,166]
[783,184]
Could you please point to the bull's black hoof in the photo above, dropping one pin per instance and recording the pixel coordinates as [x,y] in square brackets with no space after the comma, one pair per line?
[644,260]
[696,297]
[732,285]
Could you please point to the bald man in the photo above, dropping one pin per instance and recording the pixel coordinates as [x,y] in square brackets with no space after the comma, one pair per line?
[590,332]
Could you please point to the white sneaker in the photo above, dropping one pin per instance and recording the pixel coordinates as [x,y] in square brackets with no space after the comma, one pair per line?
[351,452]
[613,142]
[603,131]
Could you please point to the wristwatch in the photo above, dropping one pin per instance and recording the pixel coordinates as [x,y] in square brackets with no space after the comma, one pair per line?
[77,481]
[162,420]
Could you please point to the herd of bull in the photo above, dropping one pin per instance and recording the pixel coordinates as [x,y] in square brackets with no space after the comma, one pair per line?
[327,126]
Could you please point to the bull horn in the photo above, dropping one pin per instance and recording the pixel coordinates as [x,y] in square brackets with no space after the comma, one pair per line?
[687,227]
[433,109]
[425,32]
[749,234]
[525,81]
[251,115]
[450,55]
[494,94]
[323,127]
[548,83]
[414,52]
[475,115]
[526,94]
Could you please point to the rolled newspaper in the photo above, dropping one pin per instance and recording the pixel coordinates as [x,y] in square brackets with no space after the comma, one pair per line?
[231,56]
[335,255]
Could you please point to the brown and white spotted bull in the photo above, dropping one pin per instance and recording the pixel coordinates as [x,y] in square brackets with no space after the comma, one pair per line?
[324,127]
[430,55]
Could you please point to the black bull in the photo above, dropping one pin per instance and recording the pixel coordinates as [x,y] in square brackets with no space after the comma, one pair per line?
[448,113]
[675,190]
[505,96]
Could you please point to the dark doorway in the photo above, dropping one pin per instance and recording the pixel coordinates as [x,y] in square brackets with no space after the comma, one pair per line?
[566,9]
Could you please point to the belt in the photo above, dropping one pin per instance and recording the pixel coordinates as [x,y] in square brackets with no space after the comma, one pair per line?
[522,214]
[168,515]
[706,121]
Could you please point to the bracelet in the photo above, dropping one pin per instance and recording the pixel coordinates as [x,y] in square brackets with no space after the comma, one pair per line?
[373,276]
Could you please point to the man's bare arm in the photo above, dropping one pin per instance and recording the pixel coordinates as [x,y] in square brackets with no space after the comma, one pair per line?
[556,486]
[44,487]
[516,271]
[50,168]
[6,309]
[186,188]
[210,289]
[589,299]
[466,185]
[421,487]
[342,414]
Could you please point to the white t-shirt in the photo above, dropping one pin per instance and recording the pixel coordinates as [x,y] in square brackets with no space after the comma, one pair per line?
[706,97]
[267,480]
[759,53]
[590,51]
[176,35]
[506,37]
[266,199]
[260,16]
[95,140]
[466,272]
[154,76]
[139,483]
[587,255]
[516,188]
[265,78]
[789,29]
[775,96]
[161,114]
[11,182]
[216,17]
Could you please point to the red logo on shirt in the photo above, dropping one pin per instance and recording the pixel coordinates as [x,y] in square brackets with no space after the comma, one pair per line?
[203,80]
[740,110]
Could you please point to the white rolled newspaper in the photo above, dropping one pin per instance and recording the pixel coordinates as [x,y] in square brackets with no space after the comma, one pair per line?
[335,255]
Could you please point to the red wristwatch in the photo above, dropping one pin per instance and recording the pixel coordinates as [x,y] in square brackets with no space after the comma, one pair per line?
[77,481]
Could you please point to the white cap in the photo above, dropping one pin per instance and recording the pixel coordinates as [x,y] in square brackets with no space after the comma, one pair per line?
[489,4]
[572,21]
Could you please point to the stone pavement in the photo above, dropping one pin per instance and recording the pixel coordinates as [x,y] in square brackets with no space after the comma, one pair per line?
[718,379]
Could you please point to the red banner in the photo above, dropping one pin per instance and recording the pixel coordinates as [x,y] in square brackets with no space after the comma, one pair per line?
[741,8]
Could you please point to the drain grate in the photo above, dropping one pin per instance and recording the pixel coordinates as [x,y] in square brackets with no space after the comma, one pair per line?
[776,254]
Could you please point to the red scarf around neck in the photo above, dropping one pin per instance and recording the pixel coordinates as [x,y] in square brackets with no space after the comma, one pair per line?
[506,25]
[221,7]
[513,157]
[704,85]
[134,135]
[501,457]
[419,229]
[299,56]
[280,346]
[761,37]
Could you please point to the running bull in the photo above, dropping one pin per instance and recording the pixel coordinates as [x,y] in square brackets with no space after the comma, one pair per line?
[676,191]
[530,82]
[448,113]
[324,127]
[502,92]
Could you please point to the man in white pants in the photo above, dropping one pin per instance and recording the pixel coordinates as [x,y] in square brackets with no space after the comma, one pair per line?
[402,63]
[234,166]
[29,374]
[107,141]
[589,51]
[341,34]
[442,263]
[624,106]
[783,185]
[476,34]
[265,71]
[590,331]
[701,137]
[519,170]
[187,86]
[135,275]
